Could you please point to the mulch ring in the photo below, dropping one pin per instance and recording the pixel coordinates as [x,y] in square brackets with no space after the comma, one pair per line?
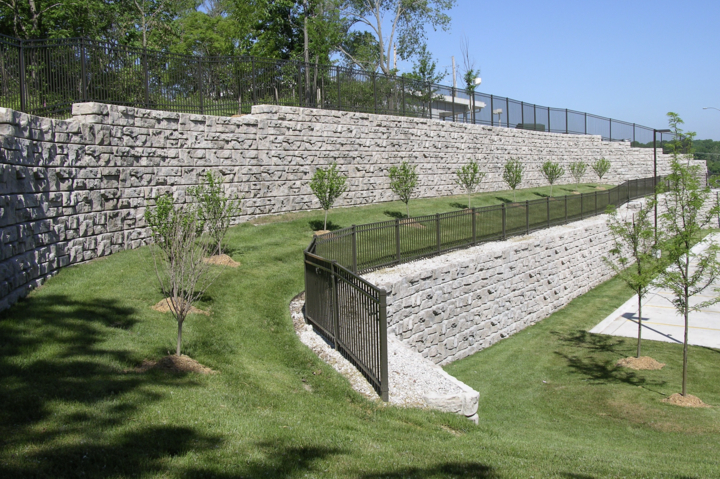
[685,401]
[222,260]
[412,223]
[172,364]
[641,363]
[164,307]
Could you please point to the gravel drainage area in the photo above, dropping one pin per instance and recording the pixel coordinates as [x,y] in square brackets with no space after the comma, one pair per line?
[414,380]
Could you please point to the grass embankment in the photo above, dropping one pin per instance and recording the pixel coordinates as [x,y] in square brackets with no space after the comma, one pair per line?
[552,403]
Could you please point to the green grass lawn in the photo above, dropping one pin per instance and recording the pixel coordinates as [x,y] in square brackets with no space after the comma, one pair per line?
[552,404]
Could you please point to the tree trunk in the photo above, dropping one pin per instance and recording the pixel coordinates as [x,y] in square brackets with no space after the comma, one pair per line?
[325,225]
[639,324]
[407,205]
[685,344]
[179,338]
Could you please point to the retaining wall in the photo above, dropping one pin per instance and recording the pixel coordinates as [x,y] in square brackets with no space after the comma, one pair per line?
[451,306]
[73,190]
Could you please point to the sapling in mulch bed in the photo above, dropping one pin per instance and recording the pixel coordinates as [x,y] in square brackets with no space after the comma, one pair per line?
[179,257]
[577,170]
[403,181]
[215,209]
[601,167]
[469,178]
[328,184]
[633,258]
[552,172]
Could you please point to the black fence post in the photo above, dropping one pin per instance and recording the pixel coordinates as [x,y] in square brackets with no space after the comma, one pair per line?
[23,99]
[402,86]
[586,123]
[610,129]
[354,249]
[83,72]
[147,79]
[254,94]
[437,232]
[200,85]
[335,303]
[507,116]
[566,213]
[548,211]
[522,113]
[582,197]
[492,109]
[397,240]
[596,211]
[384,379]
[374,94]
[504,221]
[430,100]
[474,227]
[527,216]
[567,126]
[337,78]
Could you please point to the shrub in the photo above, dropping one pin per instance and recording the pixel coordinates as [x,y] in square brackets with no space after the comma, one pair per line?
[328,184]
[552,172]
[403,181]
[513,173]
[469,177]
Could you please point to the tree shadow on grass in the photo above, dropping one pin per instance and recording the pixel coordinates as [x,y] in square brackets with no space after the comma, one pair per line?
[593,342]
[317,225]
[472,469]
[65,393]
[395,214]
[541,195]
[504,200]
[461,206]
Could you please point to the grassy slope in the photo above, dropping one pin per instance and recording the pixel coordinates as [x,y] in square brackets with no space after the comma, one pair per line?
[70,410]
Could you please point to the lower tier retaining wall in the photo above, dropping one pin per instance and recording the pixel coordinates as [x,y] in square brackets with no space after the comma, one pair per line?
[451,306]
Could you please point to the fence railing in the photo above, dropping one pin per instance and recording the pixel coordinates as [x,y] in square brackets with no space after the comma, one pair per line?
[363,248]
[45,77]
[352,312]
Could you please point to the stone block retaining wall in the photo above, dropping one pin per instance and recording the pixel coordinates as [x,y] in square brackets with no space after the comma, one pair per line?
[73,190]
[451,306]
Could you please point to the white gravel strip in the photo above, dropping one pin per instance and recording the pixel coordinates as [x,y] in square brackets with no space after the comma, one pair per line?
[414,380]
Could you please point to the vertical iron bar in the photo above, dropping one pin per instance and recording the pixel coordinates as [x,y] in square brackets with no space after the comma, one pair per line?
[567,126]
[453,103]
[582,198]
[566,212]
[354,250]
[633,132]
[374,94]
[254,94]
[535,117]
[522,114]
[586,123]
[548,211]
[527,216]
[474,226]
[23,99]
[337,74]
[83,72]
[437,231]
[397,239]
[504,221]
[492,109]
[335,312]
[147,79]
[402,86]
[384,379]
[610,129]
[202,107]
[596,212]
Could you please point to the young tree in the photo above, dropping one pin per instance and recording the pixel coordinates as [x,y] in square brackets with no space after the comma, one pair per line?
[470,73]
[552,172]
[215,209]
[577,170]
[469,177]
[408,20]
[328,184]
[179,258]
[403,181]
[632,256]
[512,174]
[601,167]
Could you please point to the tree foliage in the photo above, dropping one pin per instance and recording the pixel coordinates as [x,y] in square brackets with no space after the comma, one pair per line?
[469,178]
[513,173]
[328,184]
[577,170]
[686,215]
[632,256]
[552,172]
[601,167]
[215,209]
[403,181]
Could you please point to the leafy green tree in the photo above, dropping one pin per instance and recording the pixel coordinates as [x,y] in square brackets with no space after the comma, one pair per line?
[328,184]
[179,258]
[552,172]
[633,254]
[215,209]
[601,167]
[408,20]
[686,215]
[513,173]
[577,170]
[469,177]
[403,181]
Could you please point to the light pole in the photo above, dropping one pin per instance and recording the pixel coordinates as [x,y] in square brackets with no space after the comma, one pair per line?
[710,108]
[655,132]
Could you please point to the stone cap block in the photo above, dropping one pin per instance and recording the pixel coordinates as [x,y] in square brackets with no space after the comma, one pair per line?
[90,108]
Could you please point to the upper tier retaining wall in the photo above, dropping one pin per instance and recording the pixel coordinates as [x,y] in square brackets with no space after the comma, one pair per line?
[72,190]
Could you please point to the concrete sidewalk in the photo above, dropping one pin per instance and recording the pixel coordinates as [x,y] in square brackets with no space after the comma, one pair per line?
[661,322]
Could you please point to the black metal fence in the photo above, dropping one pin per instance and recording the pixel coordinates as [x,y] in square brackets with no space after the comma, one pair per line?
[352,313]
[45,77]
[363,248]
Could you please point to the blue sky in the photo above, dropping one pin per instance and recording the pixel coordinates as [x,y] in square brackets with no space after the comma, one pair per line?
[631,60]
